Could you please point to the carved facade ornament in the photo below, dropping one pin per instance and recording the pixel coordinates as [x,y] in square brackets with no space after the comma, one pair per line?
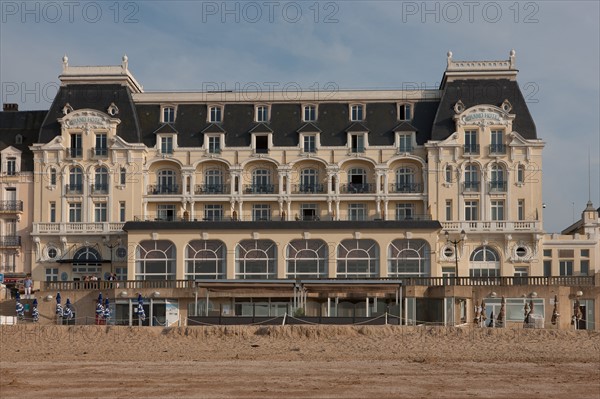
[484,115]
[459,107]
[88,121]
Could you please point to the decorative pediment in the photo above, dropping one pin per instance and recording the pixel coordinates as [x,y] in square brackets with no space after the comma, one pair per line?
[484,115]
[167,128]
[88,120]
[10,150]
[357,127]
[404,127]
[261,128]
[213,128]
[309,128]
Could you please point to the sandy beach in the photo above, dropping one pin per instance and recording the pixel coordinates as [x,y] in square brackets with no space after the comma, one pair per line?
[297,361]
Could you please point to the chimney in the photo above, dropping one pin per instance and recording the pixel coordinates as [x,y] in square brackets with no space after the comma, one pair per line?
[10,107]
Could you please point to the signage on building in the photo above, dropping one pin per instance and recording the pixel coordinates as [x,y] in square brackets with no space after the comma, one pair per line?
[482,115]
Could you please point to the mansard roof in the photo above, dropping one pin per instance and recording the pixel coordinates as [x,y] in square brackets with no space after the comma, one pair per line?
[93,96]
[309,127]
[25,123]
[167,128]
[482,91]
[405,127]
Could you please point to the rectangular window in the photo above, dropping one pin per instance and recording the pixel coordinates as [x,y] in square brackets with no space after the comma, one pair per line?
[405,112]
[76,150]
[405,211]
[75,212]
[521,209]
[309,212]
[547,268]
[261,212]
[357,212]
[122,211]
[566,253]
[168,115]
[100,212]
[310,113]
[262,113]
[215,114]
[566,267]
[358,143]
[262,144]
[548,253]
[521,271]
[11,166]
[405,143]
[497,210]
[448,210]
[356,113]
[214,144]
[309,144]
[213,212]
[520,174]
[166,145]
[584,267]
[165,212]
[52,212]
[585,253]
[51,274]
[497,142]
[121,273]
[101,148]
[471,146]
[123,176]
[471,210]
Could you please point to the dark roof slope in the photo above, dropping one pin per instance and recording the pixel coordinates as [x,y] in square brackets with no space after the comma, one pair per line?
[25,123]
[482,91]
[94,96]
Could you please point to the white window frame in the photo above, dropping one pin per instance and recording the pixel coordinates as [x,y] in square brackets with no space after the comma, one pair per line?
[209,252]
[412,145]
[100,209]
[351,109]
[257,109]
[317,138]
[211,118]
[410,111]
[365,139]
[162,113]
[159,143]
[207,138]
[304,110]
[269,141]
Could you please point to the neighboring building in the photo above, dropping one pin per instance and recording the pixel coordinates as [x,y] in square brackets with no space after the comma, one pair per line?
[346,203]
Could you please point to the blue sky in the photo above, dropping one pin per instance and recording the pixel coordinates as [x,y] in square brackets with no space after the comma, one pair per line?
[188,45]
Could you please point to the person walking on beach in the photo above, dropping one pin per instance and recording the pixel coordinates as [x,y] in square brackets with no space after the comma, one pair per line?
[28,283]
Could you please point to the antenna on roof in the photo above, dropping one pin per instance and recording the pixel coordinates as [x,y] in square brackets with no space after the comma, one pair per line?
[589,176]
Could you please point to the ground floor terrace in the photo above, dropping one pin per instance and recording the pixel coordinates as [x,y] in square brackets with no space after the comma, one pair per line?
[551,302]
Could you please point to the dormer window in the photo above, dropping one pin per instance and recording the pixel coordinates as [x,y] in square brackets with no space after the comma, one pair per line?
[213,143]
[166,144]
[310,113]
[168,114]
[215,114]
[405,112]
[113,110]
[357,113]
[357,142]
[261,142]
[11,166]
[405,143]
[262,113]
[18,139]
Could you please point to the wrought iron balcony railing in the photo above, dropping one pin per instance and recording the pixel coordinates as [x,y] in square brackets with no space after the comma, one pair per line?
[159,189]
[259,188]
[74,152]
[74,188]
[497,186]
[471,149]
[10,241]
[497,149]
[211,189]
[11,206]
[357,188]
[471,186]
[406,187]
[308,188]
[99,188]
[99,152]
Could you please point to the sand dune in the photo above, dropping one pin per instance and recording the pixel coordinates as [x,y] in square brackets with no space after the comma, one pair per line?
[297,361]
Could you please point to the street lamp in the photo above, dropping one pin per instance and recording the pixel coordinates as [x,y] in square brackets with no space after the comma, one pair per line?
[455,243]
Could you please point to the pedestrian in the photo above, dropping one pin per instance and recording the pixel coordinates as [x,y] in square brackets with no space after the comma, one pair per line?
[28,283]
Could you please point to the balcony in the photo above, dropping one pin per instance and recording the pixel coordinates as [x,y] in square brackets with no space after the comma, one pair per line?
[10,241]
[497,149]
[308,188]
[11,206]
[471,186]
[211,189]
[471,149]
[413,217]
[99,152]
[357,188]
[99,188]
[74,189]
[74,153]
[259,188]
[161,189]
[406,188]
[496,225]
[77,228]
[497,186]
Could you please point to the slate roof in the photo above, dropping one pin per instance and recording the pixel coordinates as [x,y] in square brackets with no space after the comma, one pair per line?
[481,91]
[25,123]
[94,96]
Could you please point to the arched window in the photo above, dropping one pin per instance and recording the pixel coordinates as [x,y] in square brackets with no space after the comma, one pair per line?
[167,182]
[205,259]
[497,179]
[87,256]
[409,258]
[405,180]
[471,178]
[256,259]
[261,181]
[358,258]
[484,262]
[309,179]
[155,260]
[101,180]
[307,259]
[75,180]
